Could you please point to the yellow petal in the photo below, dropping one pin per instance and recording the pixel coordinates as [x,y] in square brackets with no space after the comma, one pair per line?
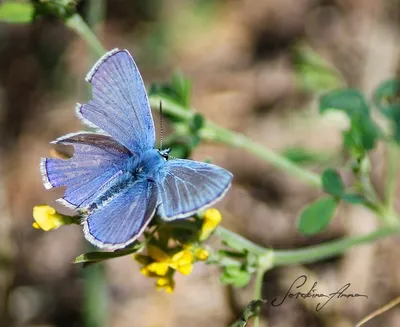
[169,288]
[145,271]
[158,268]
[212,218]
[183,257]
[47,218]
[35,225]
[165,283]
[202,254]
[185,269]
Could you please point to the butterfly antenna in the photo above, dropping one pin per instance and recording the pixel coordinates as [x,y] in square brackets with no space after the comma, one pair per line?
[161,126]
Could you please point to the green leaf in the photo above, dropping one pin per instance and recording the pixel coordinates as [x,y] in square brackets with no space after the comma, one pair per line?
[303,156]
[182,87]
[233,254]
[235,275]
[176,91]
[251,310]
[353,198]
[332,182]
[16,12]
[94,257]
[62,9]
[314,73]
[361,136]
[316,216]
[197,122]
[363,132]
[387,97]
[351,101]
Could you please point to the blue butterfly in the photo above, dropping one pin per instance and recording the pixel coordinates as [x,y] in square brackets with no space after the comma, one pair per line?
[116,179]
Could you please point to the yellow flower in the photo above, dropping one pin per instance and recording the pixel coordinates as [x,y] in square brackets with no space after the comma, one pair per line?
[201,254]
[166,283]
[158,268]
[47,218]
[212,218]
[183,261]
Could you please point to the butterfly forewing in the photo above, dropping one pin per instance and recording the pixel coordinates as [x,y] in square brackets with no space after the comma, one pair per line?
[97,160]
[120,105]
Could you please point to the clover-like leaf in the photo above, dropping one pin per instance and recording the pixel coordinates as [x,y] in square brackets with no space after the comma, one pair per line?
[197,122]
[332,182]
[387,97]
[351,101]
[235,275]
[316,216]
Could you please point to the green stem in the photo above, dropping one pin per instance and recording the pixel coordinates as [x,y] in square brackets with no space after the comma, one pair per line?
[303,255]
[213,132]
[329,249]
[238,242]
[258,293]
[78,25]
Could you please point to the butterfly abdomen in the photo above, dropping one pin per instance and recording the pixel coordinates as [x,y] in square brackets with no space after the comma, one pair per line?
[126,180]
[137,169]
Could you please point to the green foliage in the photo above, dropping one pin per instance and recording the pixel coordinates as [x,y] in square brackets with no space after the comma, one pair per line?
[387,97]
[236,276]
[303,156]
[387,100]
[94,257]
[251,310]
[314,73]
[363,132]
[332,182]
[178,91]
[316,216]
[16,12]
[186,136]
[353,198]
[351,101]
[62,9]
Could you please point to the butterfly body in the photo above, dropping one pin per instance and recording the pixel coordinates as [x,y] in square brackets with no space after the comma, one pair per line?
[116,179]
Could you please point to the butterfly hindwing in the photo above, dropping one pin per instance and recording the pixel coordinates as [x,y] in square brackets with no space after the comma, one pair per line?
[97,160]
[120,106]
[187,186]
[123,219]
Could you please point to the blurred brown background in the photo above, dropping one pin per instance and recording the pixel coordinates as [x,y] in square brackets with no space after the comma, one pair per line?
[240,58]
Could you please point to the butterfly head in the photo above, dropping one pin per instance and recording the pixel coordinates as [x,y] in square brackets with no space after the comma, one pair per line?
[165,153]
